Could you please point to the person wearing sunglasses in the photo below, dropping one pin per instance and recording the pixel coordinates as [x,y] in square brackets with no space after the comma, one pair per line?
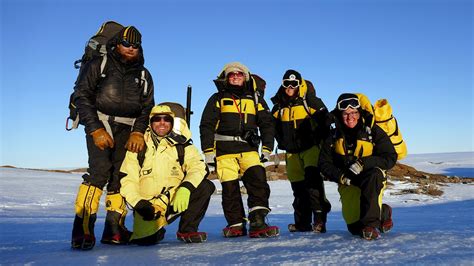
[300,126]
[357,155]
[160,188]
[230,126]
[114,95]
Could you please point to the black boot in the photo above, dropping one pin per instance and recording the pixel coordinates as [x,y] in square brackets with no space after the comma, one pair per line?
[258,227]
[115,232]
[81,240]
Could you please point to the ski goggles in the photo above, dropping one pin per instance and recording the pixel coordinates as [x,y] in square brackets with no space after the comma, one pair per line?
[158,118]
[128,44]
[293,83]
[349,102]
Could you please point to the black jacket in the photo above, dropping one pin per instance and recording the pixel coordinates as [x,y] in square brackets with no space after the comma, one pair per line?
[119,93]
[297,128]
[232,112]
[334,164]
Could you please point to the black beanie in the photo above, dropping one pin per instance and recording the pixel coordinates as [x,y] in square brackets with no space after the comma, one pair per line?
[292,74]
[131,35]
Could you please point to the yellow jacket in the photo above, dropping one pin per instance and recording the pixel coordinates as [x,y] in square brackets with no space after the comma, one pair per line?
[161,174]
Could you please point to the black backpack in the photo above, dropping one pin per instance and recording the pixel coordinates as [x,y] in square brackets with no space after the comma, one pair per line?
[95,47]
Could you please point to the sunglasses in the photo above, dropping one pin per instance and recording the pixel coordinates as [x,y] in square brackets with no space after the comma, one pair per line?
[346,103]
[158,118]
[294,83]
[235,74]
[128,44]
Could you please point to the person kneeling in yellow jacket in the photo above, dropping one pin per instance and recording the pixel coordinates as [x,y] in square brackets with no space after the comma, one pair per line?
[159,188]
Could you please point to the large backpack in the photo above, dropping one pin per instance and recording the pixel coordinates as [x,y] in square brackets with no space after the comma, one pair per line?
[382,115]
[95,47]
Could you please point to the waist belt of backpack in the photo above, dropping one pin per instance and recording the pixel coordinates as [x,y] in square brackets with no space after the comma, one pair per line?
[107,119]
[219,137]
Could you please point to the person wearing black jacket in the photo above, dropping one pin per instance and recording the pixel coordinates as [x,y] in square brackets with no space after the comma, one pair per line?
[357,155]
[229,128]
[114,106]
[300,119]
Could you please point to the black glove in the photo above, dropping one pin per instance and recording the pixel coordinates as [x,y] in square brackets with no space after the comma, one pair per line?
[146,210]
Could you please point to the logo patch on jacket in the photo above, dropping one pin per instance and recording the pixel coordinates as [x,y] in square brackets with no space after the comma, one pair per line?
[175,171]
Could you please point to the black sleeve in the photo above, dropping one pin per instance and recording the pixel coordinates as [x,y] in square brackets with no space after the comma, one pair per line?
[278,126]
[85,94]
[326,162]
[384,155]
[266,125]
[148,101]
[207,127]
[321,116]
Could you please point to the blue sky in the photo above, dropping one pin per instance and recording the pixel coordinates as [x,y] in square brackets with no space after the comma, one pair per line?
[418,54]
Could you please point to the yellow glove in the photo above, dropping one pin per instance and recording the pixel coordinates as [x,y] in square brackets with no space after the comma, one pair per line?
[102,139]
[181,200]
[135,142]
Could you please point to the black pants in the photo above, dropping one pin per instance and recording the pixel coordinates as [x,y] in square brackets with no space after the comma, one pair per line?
[198,203]
[104,166]
[310,199]
[370,183]
[258,190]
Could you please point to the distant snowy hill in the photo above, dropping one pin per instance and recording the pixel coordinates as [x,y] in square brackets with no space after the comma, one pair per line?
[451,164]
[37,210]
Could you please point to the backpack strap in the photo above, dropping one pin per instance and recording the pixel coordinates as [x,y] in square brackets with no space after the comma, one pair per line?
[179,147]
[306,107]
[144,83]
[102,66]
[141,156]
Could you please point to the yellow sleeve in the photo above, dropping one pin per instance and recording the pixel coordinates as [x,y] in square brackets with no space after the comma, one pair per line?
[130,189]
[194,166]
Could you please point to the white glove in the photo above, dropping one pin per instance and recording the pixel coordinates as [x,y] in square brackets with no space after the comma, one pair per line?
[356,167]
[265,157]
[210,159]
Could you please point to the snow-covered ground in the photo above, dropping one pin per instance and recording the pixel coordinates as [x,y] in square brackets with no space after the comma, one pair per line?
[37,210]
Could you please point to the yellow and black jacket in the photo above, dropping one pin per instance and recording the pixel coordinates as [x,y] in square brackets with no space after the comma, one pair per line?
[366,142]
[299,121]
[232,111]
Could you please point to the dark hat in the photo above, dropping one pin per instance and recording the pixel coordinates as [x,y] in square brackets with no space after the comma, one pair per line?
[130,34]
[292,74]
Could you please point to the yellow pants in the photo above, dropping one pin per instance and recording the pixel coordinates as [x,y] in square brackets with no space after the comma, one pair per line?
[229,166]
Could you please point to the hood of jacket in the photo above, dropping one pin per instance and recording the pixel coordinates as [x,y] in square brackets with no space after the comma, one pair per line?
[180,133]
